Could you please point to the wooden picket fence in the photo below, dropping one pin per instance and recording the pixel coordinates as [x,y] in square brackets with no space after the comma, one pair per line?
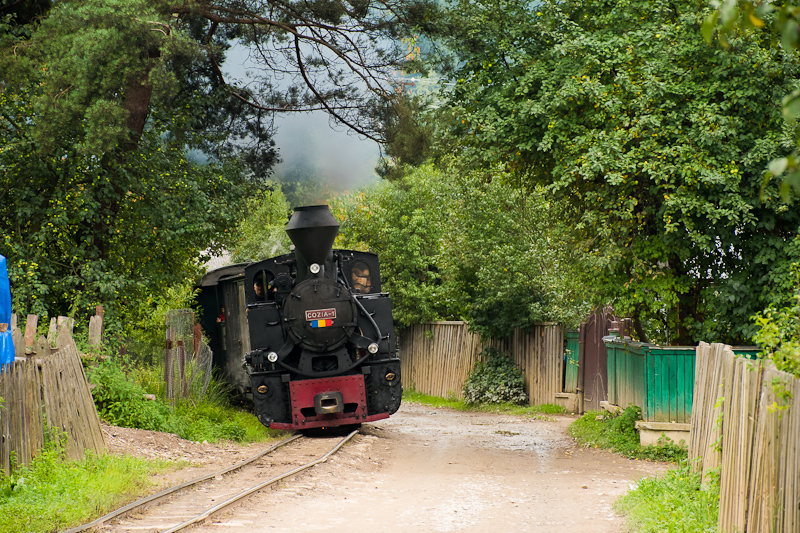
[745,423]
[45,389]
[438,356]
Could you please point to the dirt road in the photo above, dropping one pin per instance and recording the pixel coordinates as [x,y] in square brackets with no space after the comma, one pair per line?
[435,470]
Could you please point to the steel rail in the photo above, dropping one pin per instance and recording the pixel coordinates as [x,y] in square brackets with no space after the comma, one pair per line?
[202,517]
[166,492]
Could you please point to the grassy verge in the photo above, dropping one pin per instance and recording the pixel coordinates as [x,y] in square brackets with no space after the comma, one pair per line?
[671,504]
[617,433]
[53,494]
[460,405]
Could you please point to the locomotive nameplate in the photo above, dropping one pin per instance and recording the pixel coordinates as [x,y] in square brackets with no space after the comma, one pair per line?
[320,314]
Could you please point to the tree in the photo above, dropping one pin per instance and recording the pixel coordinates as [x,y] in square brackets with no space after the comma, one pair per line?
[404,224]
[508,250]
[261,234]
[97,208]
[473,246]
[126,152]
[658,141]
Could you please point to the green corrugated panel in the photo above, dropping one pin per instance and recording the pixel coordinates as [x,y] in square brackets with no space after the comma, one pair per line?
[659,380]
[571,370]
[612,367]
[625,373]
[750,352]
[672,383]
[681,383]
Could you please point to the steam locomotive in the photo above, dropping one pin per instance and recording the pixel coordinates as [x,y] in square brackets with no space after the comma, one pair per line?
[322,347]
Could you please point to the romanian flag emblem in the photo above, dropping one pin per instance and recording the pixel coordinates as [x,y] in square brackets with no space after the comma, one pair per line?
[321,323]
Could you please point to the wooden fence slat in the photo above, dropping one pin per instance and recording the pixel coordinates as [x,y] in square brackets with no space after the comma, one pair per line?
[30,330]
[440,366]
[760,469]
[52,388]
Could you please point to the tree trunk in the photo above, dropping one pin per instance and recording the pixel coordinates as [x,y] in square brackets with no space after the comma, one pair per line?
[137,103]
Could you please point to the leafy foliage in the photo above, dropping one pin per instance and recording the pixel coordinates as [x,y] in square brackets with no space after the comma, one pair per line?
[81,230]
[495,379]
[731,19]
[617,433]
[511,251]
[658,141]
[779,333]
[468,245]
[261,234]
[122,402]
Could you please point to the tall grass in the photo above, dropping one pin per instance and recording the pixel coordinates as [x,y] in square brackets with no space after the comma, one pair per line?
[52,494]
[674,503]
[119,395]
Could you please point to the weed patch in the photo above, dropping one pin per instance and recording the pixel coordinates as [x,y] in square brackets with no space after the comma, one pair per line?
[672,503]
[617,433]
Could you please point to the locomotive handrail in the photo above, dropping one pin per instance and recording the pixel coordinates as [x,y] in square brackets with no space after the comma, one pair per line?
[369,317]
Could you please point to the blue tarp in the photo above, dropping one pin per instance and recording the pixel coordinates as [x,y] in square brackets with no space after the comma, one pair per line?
[6,341]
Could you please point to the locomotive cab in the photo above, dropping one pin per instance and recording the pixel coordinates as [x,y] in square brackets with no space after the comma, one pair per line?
[321,333]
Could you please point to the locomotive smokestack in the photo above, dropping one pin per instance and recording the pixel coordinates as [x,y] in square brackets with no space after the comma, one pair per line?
[313,229]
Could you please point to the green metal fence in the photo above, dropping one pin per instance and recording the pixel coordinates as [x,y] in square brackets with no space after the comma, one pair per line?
[659,380]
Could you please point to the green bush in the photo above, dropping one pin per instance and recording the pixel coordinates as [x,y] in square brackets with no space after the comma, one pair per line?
[779,332]
[121,401]
[617,433]
[495,379]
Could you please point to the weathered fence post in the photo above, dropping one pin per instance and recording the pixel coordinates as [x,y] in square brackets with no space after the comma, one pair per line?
[30,331]
[96,329]
[169,357]
[52,332]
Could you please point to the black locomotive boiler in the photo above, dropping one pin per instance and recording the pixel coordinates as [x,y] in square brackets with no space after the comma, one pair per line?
[322,347]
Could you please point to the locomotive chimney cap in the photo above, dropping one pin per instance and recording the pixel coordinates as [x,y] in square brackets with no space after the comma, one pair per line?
[313,229]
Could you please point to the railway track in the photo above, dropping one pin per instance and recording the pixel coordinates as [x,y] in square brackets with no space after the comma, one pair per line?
[195,502]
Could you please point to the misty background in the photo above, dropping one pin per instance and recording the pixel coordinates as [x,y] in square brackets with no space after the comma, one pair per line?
[319,159]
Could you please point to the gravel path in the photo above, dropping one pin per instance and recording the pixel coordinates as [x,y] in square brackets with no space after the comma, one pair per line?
[437,470]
